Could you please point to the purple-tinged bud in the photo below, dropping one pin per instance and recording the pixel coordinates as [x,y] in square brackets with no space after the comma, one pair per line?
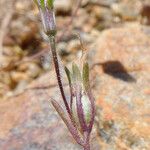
[47,16]
[86,106]
[82,105]
[48,21]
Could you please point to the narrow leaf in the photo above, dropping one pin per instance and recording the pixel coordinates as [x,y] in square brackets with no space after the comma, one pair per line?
[76,73]
[68,73]
[85,76]
[68,122]
[59,110]
[42,4]
[50,3]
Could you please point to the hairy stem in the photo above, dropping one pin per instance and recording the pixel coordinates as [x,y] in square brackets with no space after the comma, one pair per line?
[87,142]
[87,146]
[57,70]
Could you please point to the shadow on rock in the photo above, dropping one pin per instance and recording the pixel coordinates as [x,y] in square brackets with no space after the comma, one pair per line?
[116,70]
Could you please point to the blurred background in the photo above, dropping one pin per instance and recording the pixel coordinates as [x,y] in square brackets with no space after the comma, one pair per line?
[116,37]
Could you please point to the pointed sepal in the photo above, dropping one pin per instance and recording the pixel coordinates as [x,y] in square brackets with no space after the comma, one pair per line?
[50,3]
[76,74]
[85,76]
[68,73]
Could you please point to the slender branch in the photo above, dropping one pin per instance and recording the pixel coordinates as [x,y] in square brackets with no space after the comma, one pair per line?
[87,143]
[57,70]
[87,146]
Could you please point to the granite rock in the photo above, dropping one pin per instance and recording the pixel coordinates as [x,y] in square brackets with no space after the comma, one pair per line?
[121,62]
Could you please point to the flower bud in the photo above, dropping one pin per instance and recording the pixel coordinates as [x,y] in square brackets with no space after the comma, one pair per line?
[47,16]
[86,106]
[48,21]
[81,104]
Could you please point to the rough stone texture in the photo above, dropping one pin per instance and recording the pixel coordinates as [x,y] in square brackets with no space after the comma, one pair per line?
[122,91]
[128,45]
[29,122]
[122,87]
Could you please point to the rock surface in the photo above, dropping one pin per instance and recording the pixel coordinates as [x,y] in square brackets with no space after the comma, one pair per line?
[121,59]
[29,122]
